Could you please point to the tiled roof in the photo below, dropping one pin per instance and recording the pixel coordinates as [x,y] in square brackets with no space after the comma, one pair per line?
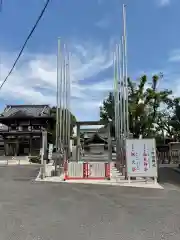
[26,110]
[88,130]
[96,138]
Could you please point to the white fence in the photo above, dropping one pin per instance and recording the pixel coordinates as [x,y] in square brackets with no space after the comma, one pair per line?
[87,170]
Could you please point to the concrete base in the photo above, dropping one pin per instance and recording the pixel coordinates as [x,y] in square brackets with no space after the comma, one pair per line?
[116,180]
[138,183]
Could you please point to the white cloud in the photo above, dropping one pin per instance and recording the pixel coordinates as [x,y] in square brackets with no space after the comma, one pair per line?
[103,23]
[174,56]
[100,2]
[34,79]
[163,3]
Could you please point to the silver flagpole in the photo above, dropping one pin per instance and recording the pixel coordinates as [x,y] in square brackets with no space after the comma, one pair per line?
[125,63]
[60,104]
[123,92]
[118,102]
[120,92]
[64,149]
[57,96]
[115,89]
[66,100]
[63,97]
[68,103]
[57,103]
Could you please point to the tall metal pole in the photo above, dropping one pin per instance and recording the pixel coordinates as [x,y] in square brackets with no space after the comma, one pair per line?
[120,91]
[117,66]
[68,103]
[115,99]
[125,63]
[60,103]
[57,103]
[57,95]
[63,96]
[118,122]
[123,92]
[115,91]
[120,94]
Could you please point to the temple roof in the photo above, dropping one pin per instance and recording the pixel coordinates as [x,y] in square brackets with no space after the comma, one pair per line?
[26,111]
[95,139]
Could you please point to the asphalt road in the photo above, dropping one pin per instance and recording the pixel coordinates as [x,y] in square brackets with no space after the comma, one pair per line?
[48,211]
[169,178]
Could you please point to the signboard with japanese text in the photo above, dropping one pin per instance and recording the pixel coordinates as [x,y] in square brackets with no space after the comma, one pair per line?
[50,151]
[141,158]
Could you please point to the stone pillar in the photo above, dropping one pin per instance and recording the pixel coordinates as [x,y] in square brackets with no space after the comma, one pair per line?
[44,154]
[30,145]
[16,147]
[78,143]
[44,145]
[5,147]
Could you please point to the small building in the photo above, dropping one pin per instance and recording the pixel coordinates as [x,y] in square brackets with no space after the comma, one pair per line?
[24,125]
[95,139]
[89,132]
[96,144]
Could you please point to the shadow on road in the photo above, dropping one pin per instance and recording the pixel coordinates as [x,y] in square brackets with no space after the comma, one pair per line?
[168,175]
[18,173]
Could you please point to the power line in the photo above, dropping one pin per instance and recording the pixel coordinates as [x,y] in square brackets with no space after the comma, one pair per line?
[27,39]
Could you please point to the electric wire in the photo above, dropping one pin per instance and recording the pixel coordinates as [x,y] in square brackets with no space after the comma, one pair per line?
[26,41]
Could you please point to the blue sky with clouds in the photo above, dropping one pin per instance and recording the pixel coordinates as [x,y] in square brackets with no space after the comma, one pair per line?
[90,29]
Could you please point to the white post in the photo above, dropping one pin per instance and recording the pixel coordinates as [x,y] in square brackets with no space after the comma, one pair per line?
[44,148]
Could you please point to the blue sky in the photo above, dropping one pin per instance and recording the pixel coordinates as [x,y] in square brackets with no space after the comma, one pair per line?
[90,29]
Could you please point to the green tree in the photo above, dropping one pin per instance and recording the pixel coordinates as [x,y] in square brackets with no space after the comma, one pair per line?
[107,112]
[53,126]
[144,102]
[174,121]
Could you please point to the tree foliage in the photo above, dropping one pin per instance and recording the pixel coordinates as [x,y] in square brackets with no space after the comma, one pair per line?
[152,111]
[53,126]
